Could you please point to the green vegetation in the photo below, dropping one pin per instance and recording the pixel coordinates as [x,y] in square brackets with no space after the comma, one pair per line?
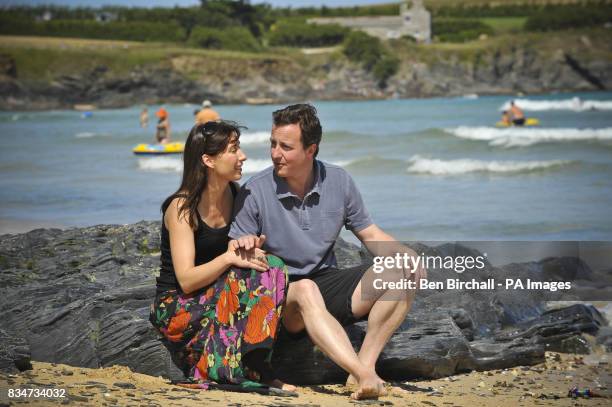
[115,30]
[222,30]
[373,56]
[355,11]
[569,17]
[510,8]
[291,33]
[459,30]
[44,58]
[138,24]
[233,38]
[504,25]
[453,21]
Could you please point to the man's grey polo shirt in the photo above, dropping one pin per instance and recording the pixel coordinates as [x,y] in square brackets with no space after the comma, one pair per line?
[302,233]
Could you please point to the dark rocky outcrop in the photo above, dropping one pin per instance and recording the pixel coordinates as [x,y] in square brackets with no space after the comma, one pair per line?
[14,353]
[82,296]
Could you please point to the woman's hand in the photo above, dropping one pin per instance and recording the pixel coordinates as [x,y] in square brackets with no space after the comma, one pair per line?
[255,258]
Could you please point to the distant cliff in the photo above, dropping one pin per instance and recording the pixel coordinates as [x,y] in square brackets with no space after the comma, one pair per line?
[533,63]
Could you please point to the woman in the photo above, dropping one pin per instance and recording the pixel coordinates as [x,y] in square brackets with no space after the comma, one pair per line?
[217,306]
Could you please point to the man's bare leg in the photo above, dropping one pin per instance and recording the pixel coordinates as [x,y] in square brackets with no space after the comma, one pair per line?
[305,309]
[386,314]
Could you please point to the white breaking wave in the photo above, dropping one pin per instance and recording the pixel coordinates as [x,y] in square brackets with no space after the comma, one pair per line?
[175,164]
[522,137]
[259,137]
[88,134]
[420,165]
[576,104]
[164,164]
[345,163]
[255,165]
[252,165]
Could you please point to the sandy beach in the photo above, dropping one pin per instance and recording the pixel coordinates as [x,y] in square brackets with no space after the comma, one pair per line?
[543,384]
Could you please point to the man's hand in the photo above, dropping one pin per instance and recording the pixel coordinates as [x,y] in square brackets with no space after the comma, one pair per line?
[250,242]
[419,274]
[381,244]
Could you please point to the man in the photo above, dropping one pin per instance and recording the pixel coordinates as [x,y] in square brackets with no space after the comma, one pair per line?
[296,210]
[207,114]
[162,129]
[518,117]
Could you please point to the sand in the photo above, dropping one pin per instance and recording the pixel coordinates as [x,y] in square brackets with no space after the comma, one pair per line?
[543,384]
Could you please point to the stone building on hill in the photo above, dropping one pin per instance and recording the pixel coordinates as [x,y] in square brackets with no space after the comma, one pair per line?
[414,21]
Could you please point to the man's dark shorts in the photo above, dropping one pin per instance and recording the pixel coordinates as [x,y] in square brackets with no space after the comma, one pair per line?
[336,287]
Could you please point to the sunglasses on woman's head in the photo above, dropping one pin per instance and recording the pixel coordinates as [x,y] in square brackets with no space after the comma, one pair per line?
[208,128]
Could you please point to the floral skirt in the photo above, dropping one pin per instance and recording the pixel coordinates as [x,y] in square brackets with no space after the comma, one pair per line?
[209,332]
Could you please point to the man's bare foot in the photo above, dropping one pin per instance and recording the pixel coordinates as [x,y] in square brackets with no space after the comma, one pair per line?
[280,385]
[352,383]
[370,387]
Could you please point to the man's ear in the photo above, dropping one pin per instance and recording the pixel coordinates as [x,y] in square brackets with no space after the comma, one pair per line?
[311,150]
[208,161]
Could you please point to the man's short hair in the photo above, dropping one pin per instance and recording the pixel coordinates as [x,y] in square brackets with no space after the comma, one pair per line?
[306,116]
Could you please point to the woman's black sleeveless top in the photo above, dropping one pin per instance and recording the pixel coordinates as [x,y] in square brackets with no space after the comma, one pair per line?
[209,244]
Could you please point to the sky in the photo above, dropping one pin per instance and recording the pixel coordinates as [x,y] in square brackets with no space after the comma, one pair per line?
[185,3]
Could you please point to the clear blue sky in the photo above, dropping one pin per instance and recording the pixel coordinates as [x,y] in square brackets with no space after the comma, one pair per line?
[171,3]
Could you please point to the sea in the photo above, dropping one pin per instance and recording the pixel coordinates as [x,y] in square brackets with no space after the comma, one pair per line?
[433,169]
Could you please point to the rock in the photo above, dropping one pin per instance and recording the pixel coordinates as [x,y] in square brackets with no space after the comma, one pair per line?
[14,353]
[95,286]
[560,329]
[604,337]
[565,269]
[7,66]
[124,385]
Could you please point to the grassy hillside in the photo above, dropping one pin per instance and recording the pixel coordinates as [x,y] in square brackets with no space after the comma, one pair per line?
[40,58]
[43,58]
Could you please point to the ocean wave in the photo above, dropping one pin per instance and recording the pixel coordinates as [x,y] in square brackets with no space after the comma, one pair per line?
[370,162]
[523,137]
[87,134]
[421,165]
[576,104]
[253,165]
[163,164]
[259,137]
[175,164]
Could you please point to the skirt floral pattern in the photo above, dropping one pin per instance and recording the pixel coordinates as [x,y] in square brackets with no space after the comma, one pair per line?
[210,331]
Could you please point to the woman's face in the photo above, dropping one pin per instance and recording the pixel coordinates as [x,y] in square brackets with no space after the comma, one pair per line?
[228,164]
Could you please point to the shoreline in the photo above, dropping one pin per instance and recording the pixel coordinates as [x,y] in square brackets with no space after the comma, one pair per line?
[544,384]
[22,105]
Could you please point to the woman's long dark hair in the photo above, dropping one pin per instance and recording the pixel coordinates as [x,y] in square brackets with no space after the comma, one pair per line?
[210,138]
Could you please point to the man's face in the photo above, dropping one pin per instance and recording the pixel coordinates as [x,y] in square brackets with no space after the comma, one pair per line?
[288,155]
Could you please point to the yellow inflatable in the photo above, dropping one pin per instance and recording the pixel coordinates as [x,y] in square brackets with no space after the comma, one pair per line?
[155,149]
[531,121]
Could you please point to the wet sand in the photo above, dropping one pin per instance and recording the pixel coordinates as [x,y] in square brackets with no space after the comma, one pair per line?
[544,384]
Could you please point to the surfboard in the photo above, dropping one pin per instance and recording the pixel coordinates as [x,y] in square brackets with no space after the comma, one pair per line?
[530,121]
[158,149]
